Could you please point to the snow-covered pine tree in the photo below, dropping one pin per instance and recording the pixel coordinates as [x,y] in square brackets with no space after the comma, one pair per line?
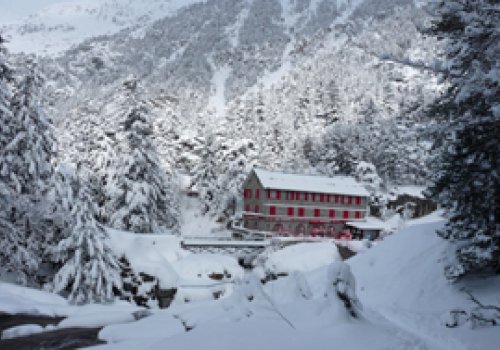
[467,180]
[142,196]
[89,269]
[7,126]
[205,174]
[6,118]
[27,148]
[28,156]
[335,152]
[63,201]
[101,164]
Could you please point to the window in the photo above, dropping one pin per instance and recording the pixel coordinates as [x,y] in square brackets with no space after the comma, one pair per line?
[350,200]
[272,210]
[297,196]
[301,211]
[331,213]
[290,211]
[346,214]
[329,199]
[336,198]
[321,197]
[247,207]
[358,200]
[306,196]
[292,196]
[274,194]
[358,215]
[342,199]
[316,212]
[256,208]
[313,197]
[257,193]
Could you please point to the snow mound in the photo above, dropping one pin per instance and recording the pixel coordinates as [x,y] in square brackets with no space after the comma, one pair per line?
[402,278]
[148,253]
[208,267]
[15,299]
[160,325]
[302,257]
[24,330]
[206,277]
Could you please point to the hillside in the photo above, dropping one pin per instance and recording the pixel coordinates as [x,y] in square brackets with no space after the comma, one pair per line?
[236,84]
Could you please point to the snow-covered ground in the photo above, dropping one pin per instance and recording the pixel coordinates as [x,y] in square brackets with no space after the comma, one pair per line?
[400,283]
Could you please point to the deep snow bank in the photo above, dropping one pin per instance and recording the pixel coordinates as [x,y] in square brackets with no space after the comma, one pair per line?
[402,279]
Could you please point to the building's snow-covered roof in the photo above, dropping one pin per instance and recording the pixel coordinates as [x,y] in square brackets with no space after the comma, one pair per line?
[310,183]
[370,223]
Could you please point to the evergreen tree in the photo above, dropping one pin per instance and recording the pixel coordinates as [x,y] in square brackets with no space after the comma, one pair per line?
[142,195]
[467,180]
[30,153]
[205,174]
[27,147]
[335,152]
[89,269]
[6,119]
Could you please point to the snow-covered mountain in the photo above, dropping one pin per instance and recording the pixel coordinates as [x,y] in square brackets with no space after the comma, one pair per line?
[50,27]
[261,79]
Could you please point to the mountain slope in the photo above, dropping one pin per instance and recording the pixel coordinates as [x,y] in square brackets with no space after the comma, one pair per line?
[50,27]
[253,80]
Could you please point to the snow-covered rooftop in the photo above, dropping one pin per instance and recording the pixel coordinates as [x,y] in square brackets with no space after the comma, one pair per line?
[310,183]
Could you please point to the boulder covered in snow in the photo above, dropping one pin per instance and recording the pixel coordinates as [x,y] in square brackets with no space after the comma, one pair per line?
[342,289]
[301,257]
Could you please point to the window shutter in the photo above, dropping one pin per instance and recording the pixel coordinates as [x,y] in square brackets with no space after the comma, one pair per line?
[272,210]
[358,200]
[331,213]
[346,214]
[290,211]
[316,212]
